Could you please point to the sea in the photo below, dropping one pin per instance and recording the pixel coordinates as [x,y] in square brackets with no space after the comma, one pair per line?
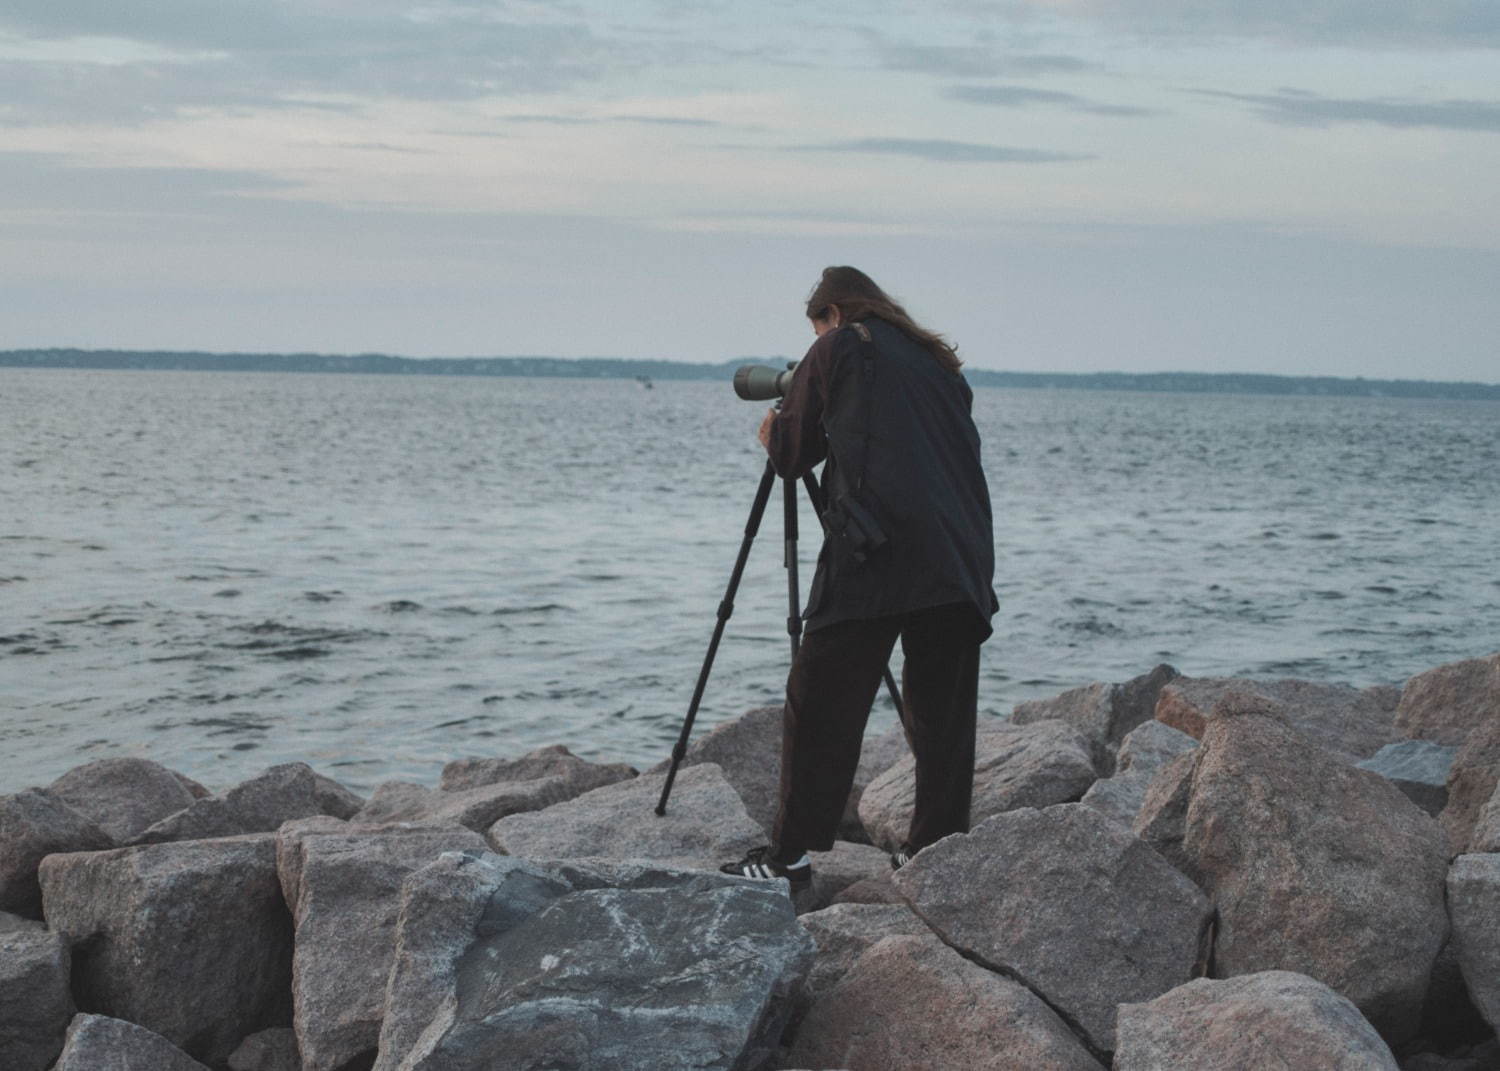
[375,574]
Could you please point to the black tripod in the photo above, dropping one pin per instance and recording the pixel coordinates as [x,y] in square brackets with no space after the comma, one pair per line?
[726,607]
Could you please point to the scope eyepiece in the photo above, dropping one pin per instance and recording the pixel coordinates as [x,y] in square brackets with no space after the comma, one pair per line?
[761,383]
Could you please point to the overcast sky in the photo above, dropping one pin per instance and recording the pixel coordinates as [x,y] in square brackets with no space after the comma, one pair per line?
[1295,186]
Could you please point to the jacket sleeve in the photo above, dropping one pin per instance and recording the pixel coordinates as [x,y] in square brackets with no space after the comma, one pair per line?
[798,442]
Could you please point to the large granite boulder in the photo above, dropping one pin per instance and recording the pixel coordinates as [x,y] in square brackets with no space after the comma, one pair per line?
[1474,902]
[1271,1019]
[705,825]
[1471,784]
[578,775]
[1070,903]
[748,751]
[1314,866]
[33,825]
[123,796]
[100,1043]
[1014,766]
[1161,820]
[1144,751]
[1486,834]
[348,902]
[911,1001]
[611,966]
[36,1004]
[843,933]
[259,805]
[1419,768]
[1449,702]
[191,940]
[1350,723]
[1104,713]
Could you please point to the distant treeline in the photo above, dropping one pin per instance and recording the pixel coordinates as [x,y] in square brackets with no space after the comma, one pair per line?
[620,368]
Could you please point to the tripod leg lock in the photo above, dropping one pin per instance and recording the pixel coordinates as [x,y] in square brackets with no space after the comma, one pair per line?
[726,610]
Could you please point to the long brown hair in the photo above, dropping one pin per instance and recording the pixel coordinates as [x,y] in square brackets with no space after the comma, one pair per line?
[858,298]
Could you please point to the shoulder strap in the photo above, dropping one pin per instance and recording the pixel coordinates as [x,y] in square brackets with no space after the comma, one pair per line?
[867,388]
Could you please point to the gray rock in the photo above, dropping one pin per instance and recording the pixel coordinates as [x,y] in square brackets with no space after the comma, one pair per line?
[1314,866]
[475,808]
[1419,768]
[748,751]
[33,825]
[837,869]
[1472,782]
[1445,704]
[99,1043]
[705,825]
[1271,1019]
[348,901]
[1474,903]
[35,1001]
[1161,820]
[191,940]
[878,755]
[912,1002]
[1350,723]
[878,889]
[16,924]
[1068,902]
[123,796]
[260,805]
[1146,749]
[1486,834]
[1014,766]
[844,932]
[1449,1018]
[1104,713]
[269,1050]
[624,966]
[556,761]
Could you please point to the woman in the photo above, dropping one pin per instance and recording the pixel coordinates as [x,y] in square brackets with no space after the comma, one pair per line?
[908,552]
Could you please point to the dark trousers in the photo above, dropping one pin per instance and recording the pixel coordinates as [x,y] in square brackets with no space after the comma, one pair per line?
[834,679]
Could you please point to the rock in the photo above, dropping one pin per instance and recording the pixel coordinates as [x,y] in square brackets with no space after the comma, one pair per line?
[348,900]
[1314,866]
[99,1043]
[269,1050]
[1446,704]
[912,1002]
[16,924]
[1471,783]
[1069,903]
[1271,1019]
[191,940]
[748,751]
[580,775]
[1474,903]
[1014,766]
[35,1001]
[1146,749]
[1103,713]
[1486,835]
[844,932]
[33,825]
[878,889]
[289,840]
[836,870]
[1449,1018]
[1482,1057]
[705,825]
[1162,819]
[1349,723]
[260,805]
[621,966]
[123,796]
[1419,768]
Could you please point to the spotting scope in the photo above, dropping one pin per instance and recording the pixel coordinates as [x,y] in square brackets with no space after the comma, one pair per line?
[761,383]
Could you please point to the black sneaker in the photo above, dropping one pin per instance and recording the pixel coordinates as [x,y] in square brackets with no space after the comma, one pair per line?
[759,864]
[901,858]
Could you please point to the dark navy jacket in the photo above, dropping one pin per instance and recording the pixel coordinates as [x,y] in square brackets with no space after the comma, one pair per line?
[888,409]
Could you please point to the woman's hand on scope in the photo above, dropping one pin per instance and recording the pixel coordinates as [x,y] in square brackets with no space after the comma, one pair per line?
[764,435]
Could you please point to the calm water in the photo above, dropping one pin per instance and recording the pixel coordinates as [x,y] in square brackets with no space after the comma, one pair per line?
[376,574]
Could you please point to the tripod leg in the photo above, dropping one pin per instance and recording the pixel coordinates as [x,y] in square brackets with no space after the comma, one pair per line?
[815,495]
[789,561]
[726,608]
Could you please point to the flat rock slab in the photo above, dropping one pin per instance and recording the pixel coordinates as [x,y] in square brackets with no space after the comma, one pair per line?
[33,825]
[1474,902]
[36,1004]
[1068,902]
[1014,766]
[1314,866]
[559,965]
[1419,768]
[123,797]
[348,902]
[912,1002]
[99,1043]
[1350,723]
[705,825]
[191,940]
[1104,713]
[1271,1019]
[1447,703]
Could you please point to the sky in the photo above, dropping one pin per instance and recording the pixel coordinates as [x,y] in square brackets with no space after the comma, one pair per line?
[1286,186]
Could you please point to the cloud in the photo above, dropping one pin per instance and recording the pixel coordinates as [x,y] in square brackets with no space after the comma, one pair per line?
[947,152]
[1025,96]
[1297,108]
[975,61]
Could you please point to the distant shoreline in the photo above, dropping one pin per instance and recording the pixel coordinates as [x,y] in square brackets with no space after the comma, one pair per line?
[624,368]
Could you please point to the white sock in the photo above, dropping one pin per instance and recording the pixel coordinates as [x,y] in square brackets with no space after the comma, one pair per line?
[804,861]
